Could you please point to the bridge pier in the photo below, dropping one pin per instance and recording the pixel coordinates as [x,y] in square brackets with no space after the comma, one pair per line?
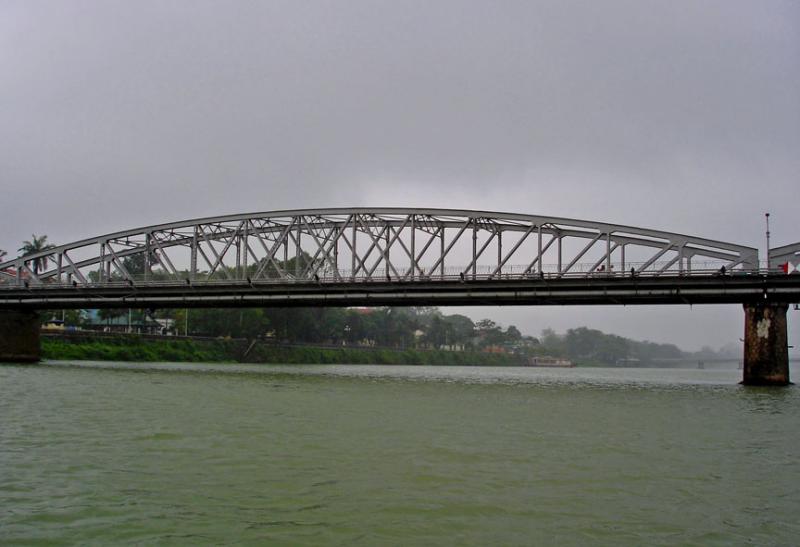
[766,349]
[19,336]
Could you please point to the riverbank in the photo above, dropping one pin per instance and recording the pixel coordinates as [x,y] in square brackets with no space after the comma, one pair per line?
[123,347]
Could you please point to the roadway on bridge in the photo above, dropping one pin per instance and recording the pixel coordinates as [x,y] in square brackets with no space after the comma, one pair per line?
[522,290]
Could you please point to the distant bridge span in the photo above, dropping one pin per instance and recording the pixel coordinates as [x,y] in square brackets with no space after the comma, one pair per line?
[399,256]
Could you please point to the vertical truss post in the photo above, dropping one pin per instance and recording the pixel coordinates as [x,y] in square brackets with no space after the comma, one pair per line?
[539,249]
[336,251]
[680,258]
[386,257]
[148,253]
[102,272]
[560,266]
[285,238]
[193,261]
[237,272]
[622,256]
[246,249]
[413,246]
[500,252]
[441,265]
[474,250]
[59,267]
[353,250]
[297,252]
[608,253]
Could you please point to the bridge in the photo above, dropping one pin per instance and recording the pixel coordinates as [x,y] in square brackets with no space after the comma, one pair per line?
[399,256]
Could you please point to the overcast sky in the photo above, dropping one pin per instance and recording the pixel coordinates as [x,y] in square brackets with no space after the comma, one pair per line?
[677,115]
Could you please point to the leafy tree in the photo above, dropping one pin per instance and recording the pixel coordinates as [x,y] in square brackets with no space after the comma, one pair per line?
[135,264]
[437,332]
[332,322]
[226,322]
[513,334]
[2,254]
[531,340]
[594,344]
[33,246]
[548,335]
[74,318]
[355,327]
[647,351]
[461,329]
[485,325]
[110,313]
[489,333]
[403,326]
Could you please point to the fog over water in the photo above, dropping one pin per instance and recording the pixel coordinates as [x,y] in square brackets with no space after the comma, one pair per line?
[681,116]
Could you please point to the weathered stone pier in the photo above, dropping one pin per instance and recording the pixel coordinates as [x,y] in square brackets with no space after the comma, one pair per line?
[766,348]
[19,336]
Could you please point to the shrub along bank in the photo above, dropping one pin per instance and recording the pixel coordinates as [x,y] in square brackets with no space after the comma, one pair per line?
[160,349]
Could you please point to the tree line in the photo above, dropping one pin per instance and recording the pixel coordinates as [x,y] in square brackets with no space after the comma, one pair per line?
[404,328]
[391,327]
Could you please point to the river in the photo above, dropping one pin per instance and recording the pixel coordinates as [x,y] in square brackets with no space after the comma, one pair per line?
[121,453]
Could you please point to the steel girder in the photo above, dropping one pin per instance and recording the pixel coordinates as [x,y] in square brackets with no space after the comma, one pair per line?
[367,244]
[609,290]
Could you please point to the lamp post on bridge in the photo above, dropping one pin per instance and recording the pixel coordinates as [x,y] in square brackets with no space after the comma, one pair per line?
[766,216]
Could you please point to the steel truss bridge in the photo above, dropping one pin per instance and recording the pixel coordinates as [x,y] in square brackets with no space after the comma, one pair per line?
[392,256]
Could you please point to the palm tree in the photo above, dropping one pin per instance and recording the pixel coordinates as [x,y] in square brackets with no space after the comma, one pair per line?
[36,245]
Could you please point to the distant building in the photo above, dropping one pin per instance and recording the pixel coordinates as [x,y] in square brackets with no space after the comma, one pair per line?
[140,324]
[494,349]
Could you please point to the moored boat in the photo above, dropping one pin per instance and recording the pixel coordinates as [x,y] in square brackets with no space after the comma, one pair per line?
[546,361]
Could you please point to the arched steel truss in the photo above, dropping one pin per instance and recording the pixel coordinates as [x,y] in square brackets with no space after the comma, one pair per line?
[371,244]
[786,253]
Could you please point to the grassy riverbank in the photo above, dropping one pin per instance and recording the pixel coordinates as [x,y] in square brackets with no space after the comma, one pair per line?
[142,349]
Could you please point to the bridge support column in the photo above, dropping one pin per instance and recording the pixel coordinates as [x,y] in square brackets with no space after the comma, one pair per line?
[19,336]
[766,350]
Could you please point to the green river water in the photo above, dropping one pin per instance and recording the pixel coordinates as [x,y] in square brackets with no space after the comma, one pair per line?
[157,454]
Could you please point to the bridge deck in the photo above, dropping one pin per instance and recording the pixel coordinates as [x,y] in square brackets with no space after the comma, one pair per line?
[448,291]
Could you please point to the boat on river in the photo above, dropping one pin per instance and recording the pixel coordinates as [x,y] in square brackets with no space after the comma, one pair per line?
[546,361]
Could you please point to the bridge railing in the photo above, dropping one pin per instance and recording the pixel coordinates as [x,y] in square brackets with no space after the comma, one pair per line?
[450,273]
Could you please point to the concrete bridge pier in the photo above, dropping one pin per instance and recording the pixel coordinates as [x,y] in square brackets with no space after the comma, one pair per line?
[766,349]
[19,336]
